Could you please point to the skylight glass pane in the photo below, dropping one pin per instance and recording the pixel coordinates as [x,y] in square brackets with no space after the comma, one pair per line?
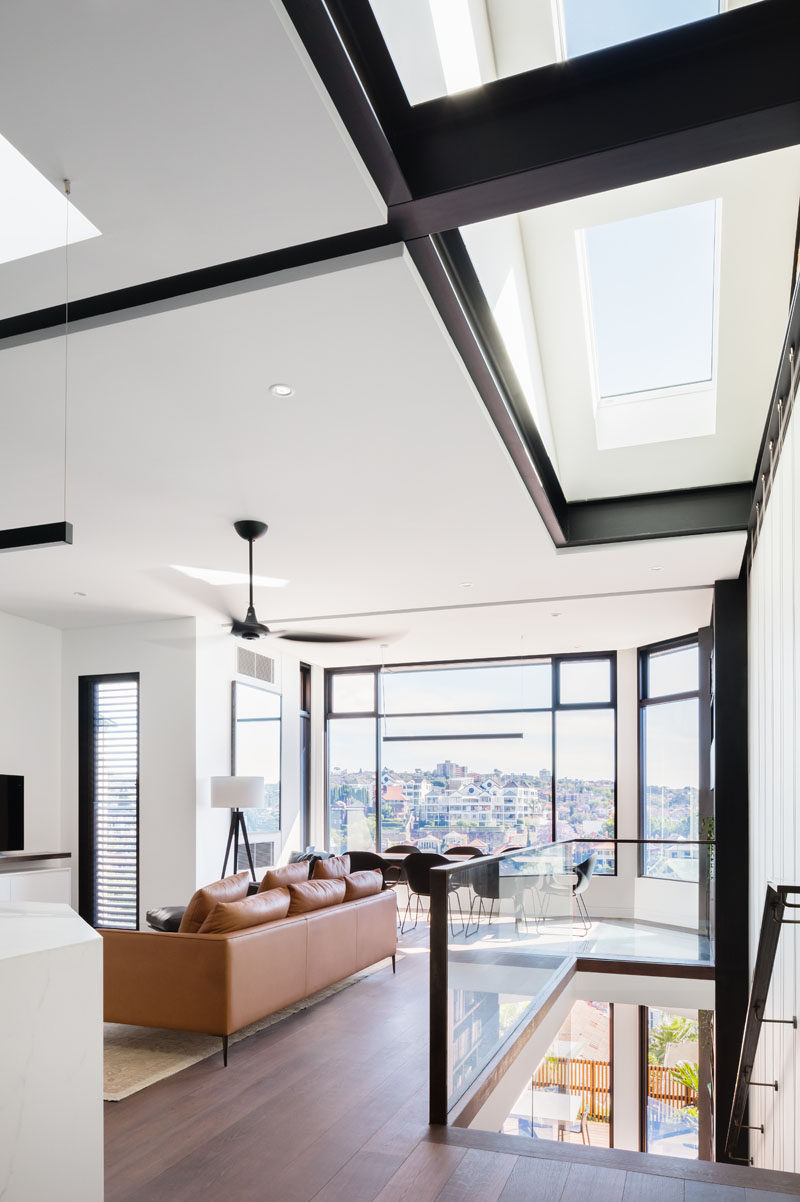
[651,294]
[596,24]
[33,211]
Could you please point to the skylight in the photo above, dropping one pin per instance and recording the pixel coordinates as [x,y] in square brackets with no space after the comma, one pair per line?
[596,24]
[651,295]
[33,210]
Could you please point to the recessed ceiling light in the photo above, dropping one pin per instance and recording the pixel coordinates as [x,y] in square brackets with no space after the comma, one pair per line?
[79,594]
[557,614]
[656,568]
[281,390]
[465,584]
[217,577]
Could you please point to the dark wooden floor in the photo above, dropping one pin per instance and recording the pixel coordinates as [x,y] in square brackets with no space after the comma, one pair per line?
[331,1104]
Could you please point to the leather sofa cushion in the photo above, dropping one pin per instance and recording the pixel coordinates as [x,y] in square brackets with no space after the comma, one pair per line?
[315,895]
[166,918]
[289,874]
[231,888]
[362,884]
[265,906]
[331,869]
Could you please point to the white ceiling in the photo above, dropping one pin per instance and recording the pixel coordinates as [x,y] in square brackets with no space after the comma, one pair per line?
[193,133]
[385,486]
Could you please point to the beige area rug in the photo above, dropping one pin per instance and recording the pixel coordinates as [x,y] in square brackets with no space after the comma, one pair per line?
[135,1057]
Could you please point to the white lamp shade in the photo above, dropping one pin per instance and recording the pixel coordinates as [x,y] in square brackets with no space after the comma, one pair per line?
[237,792]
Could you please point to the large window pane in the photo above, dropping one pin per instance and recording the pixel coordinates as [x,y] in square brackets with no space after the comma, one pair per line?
[585,778]
[671,767]
[673,671]
[353,693]
[506,686]
[351,784]
[585,681]
[569,1096]
[443,792]
[672,1083]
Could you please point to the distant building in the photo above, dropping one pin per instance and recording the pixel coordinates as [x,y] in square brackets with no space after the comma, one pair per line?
[448,769]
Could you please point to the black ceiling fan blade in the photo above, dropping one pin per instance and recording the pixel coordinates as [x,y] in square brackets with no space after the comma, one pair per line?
[316,636]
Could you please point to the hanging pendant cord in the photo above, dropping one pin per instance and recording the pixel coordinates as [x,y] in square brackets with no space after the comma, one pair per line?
[67,191]
[250,544]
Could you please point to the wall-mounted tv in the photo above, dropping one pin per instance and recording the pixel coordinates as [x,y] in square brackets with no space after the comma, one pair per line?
[12,810]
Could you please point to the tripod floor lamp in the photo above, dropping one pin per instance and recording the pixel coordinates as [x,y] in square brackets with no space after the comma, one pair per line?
[237,793]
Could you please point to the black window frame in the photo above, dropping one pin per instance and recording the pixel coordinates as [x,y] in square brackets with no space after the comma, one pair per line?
[644,703]
[87,881]
[556,706]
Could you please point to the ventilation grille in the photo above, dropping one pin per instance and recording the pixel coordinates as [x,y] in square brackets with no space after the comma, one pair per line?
[259,667]
[263,855]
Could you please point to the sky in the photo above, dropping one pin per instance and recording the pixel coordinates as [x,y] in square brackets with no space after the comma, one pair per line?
[651,282]
[585,746]
[596,24]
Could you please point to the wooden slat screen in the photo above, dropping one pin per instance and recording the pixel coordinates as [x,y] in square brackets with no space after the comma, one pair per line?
[592,1080]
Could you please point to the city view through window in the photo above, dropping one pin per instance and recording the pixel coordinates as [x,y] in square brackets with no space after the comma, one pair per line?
[670,759]
[518,754]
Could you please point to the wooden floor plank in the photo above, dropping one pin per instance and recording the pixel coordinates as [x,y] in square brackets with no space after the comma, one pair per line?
[706,1191]
[543,1180]
[593,1181]
[423,1174]
[645,1187]
[479,1177]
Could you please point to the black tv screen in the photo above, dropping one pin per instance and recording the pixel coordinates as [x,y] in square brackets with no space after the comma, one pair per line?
[12,835]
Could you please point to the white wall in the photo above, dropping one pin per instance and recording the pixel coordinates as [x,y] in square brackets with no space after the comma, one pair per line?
[163,653]
[216,667]
[774,677]
[30,724]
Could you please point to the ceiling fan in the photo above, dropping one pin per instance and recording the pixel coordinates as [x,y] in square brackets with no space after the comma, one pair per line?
[249,627]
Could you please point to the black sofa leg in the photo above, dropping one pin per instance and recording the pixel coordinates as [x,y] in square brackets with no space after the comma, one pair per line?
[394,964]
[225,1051]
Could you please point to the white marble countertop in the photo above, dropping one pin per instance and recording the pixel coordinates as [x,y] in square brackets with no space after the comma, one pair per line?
[27,927]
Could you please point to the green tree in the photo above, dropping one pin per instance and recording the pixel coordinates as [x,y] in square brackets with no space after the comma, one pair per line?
[672,1030]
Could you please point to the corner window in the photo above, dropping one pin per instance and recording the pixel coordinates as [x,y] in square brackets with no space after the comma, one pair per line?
[669,758]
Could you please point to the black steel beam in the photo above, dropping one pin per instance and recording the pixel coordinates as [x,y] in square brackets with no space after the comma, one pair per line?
[195,287]
[495,382]
[706,93]
[659,515]
[731,891]
[360,77]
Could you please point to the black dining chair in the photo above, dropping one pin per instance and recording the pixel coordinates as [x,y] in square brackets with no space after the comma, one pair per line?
[583,875]
[418,879]
[462,851]
[365,860]
[399,848]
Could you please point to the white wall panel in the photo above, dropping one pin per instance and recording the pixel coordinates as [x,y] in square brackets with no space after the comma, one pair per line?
[774,648]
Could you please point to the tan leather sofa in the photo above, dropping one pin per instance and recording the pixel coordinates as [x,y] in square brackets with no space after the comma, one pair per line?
[218,984]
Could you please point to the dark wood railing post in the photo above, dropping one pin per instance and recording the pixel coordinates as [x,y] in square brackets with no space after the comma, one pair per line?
[439,1036]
